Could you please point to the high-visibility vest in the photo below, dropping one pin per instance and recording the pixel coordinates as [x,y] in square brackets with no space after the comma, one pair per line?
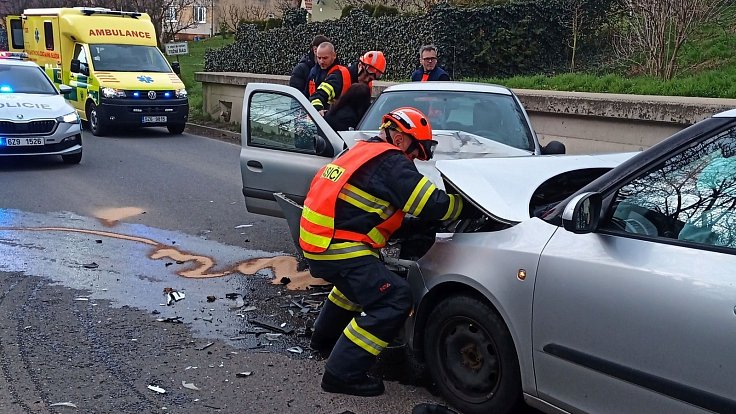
[425,77]
[317,226]
[346,79]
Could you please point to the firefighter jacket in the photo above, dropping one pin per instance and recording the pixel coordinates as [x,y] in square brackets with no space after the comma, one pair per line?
[318,75]
[436,74]
[334,85]
[359,200]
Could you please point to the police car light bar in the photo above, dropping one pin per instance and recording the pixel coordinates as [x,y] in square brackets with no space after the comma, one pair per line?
[14,55]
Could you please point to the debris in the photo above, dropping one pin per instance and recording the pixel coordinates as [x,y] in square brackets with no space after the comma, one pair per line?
[282,325]
[207,319]
[189,385]
[272,327]
[238,338]
[82,299]
[272,336]
[296,350]
[168,264]
[250,308]
[172,296]
[285,280]
[63,404]
[157,389]
[155,312]
[211,298]
[242,226]
[239,303]
[244,374]
[232,296]
[98,241]
[175,319]
[92,265]
[202,348]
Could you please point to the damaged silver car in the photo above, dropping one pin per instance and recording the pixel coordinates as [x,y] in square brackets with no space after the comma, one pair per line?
[579,284]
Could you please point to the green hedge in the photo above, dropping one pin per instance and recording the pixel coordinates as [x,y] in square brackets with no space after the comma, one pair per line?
[513,39]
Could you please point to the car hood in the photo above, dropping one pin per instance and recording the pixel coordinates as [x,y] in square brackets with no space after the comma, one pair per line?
[503,186]
[23,107]
[144,81]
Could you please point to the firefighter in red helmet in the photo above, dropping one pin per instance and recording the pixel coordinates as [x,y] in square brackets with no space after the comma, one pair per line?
[370,67]
[353,206]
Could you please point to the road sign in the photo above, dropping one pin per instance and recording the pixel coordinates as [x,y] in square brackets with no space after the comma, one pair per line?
[181,48]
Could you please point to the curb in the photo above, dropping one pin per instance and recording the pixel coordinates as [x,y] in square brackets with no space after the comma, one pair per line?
[210,132]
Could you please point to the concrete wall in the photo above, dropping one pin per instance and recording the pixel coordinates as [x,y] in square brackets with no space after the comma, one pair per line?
[584,122]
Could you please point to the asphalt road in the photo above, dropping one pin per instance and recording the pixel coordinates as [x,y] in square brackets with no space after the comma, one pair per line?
[87,253]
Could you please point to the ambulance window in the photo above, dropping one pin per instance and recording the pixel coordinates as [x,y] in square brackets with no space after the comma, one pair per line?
[16,34]
[81,56]
[48,32]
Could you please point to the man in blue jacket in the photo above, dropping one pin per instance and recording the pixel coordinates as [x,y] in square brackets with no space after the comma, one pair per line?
[300,73]
[429,71]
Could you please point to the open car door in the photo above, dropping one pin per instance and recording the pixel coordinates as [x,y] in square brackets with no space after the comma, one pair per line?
[285,141]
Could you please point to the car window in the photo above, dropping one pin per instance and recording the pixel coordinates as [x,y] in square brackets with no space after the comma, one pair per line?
[280,122]
[81,56]
[690,197]
[492,116]
[25,79]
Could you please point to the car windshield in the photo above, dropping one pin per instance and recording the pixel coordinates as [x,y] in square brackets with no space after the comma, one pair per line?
[128,58]
[495,117]
[25,79]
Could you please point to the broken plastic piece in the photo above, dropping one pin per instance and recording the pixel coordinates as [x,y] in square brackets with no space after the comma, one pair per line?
[296,350]
[189,385]
[272,336]
[92,265]
[202,348]
[175,319]
[172,296]
[232,296]
[63,404]
[211,298]
[157,389]
[244,374]
[81,299]
[242,226]
[271,326]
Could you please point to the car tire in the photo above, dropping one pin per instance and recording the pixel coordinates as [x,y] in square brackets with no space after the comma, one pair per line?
[72,158]
[96,124]
[471,356]
[176,129]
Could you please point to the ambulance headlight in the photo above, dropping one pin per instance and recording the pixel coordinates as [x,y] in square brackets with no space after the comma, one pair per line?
[70,118]
[113,93]
[181,93]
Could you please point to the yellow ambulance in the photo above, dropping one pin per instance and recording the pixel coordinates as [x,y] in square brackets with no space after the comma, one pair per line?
[120,78]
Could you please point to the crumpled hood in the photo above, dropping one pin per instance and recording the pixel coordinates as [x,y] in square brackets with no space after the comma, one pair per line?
[21,106]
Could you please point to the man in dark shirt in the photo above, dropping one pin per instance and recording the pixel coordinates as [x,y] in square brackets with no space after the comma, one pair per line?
[429,71]
[300,73]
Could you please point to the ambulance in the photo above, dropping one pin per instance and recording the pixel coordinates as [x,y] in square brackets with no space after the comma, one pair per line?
[110,59]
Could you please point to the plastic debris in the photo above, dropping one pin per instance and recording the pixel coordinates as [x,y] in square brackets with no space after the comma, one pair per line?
[157,389]
[203,347]
[239,303]
[98,241]
[296,350]
[189,385]
[232,295]
[92,265]
[272,336]
[175,319]
[211,298]
[63,404]
[81,299]
[250,308]
[275,328]
[242,226]
[172,296]
[207,319]
[244,374]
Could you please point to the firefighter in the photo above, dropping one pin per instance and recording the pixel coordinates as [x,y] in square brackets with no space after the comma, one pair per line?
[327,63]
[370,67]
[353,206]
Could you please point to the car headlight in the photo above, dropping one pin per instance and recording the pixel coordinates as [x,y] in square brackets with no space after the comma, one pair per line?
[70,118]
[181,93]
[113,93]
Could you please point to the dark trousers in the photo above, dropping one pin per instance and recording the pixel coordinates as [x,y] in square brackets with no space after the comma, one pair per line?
[365,310]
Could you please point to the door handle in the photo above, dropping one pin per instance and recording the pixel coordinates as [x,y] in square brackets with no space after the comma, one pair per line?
[254,165]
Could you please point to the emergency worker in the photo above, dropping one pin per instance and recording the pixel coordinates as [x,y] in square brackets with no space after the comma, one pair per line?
[352,208]
[370,67]
[428,70]
[300,72]
[326,64]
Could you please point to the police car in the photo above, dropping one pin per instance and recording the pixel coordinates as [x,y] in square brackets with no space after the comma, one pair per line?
[35,119]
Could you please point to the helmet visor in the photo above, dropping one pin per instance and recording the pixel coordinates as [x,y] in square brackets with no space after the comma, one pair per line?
[425,148]
[373,71]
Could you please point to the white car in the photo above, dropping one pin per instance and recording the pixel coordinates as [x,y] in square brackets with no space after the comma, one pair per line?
[35,119]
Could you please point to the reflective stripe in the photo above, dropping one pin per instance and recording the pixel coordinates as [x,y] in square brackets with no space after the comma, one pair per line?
[314,239]
[342,301]
[456,206]
[365,201]
[345,250]
[377,237]
[317,218]
[419,197]
[317,103]
[329,89]
[364,339]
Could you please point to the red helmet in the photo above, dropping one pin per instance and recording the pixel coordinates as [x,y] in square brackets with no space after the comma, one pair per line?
[375,62]
[413,122]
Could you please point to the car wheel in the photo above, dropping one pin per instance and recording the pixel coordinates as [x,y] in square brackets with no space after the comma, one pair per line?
[471,356]
[96,124]
[72,158]
[176,129]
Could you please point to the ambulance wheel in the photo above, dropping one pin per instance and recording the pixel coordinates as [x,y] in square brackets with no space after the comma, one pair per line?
[96,124]
[176,129]
[72,158]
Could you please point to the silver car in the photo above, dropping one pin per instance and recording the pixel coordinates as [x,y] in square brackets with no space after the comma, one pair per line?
[35,119]
[580,284]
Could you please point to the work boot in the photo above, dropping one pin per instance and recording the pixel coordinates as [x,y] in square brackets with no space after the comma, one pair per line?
[364,387]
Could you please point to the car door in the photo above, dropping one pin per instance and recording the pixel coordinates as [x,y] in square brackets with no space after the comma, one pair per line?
[285,141]
[638,317]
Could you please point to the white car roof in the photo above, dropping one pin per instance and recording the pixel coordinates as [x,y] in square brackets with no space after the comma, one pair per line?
[449,86]
[17,62]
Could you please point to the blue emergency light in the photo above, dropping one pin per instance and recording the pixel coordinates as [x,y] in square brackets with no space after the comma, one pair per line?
[14,55]
[136,94]
[6,89]
[167,94]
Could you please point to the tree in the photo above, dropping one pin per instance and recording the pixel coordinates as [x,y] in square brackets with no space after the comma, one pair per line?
[232,14]
[655,30]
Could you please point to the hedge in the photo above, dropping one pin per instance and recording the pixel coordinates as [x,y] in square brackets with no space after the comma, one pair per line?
[495,41]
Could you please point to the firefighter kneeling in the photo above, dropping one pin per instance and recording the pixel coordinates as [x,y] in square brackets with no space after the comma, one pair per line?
[353,206]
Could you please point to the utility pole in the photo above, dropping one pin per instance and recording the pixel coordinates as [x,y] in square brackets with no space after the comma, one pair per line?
[212,18]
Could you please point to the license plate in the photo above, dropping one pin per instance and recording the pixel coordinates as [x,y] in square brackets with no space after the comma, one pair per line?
[153,119]
[22,142]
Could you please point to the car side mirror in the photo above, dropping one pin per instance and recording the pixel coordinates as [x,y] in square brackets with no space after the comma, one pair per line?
[65,90]
[176,67]
[582,213]
[553,147]
[75,66]
[323,147]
